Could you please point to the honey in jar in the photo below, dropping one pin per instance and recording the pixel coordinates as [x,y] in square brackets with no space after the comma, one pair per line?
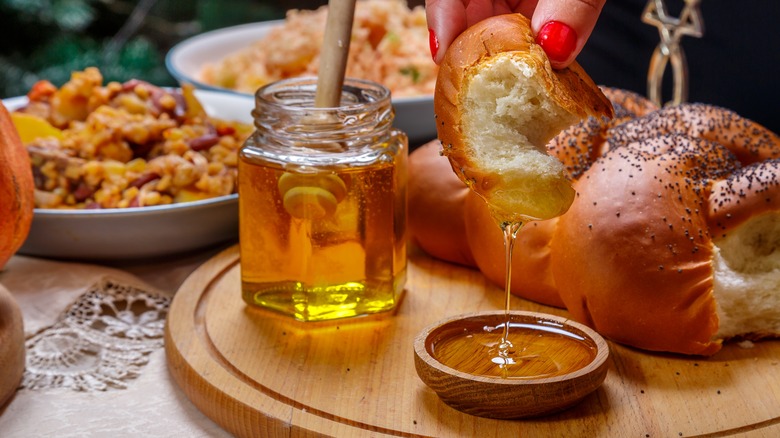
[322,203]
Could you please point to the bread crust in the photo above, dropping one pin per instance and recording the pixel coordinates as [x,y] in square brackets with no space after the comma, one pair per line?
[531,275]
[747,193]
[749,141]
[436,203]
[628,103]
[579,145]
[646,278]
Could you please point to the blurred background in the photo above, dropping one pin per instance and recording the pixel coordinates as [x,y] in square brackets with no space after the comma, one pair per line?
[129,39]
[125,38]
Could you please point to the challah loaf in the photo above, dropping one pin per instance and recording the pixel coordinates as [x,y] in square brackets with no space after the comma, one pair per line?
[673,242]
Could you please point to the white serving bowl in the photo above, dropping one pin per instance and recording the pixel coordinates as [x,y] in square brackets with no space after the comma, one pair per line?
[413,115]
[142,232]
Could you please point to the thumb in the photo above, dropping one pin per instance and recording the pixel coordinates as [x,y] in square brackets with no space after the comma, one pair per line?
[562,27]
[446,20]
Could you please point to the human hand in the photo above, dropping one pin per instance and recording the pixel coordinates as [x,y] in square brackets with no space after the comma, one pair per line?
[561,26]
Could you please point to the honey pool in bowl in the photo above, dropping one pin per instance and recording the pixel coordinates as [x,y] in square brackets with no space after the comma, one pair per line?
[552,363]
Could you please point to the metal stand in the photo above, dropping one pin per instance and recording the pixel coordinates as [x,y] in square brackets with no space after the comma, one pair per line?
[671,30]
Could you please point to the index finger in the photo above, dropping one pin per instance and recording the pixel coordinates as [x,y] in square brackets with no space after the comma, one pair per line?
[579,15]
[449,18]
[446,20]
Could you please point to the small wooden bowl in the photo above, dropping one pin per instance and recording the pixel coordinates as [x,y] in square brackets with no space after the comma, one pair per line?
[508,398]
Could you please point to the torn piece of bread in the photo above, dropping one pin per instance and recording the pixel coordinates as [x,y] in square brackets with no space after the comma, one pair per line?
[498,102]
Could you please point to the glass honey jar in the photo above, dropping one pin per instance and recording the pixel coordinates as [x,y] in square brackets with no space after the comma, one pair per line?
[322,202]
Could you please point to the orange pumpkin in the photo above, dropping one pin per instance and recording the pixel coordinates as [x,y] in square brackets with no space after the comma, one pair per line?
[16,189]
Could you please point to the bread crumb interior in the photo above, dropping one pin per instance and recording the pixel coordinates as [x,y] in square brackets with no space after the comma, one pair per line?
[508,119]
[747,272]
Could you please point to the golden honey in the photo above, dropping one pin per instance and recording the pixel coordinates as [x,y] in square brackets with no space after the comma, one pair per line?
[322,210]
[537,350]
[513,349]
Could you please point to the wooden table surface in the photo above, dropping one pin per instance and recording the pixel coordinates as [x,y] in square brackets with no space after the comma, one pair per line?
[12,352]
[259,374]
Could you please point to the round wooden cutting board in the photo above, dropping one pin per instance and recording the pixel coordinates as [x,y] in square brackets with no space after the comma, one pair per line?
[260,374]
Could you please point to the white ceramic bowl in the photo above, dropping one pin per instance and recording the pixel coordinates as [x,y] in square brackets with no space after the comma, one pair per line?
[145,232]
[413,115]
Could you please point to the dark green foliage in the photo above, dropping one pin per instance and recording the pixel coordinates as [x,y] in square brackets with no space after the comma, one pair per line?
[126,39]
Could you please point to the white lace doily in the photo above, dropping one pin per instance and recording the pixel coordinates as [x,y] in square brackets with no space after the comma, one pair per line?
[101,342]
[110,384]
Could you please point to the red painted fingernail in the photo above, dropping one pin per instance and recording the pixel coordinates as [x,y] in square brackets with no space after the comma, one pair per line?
[558,40]
[433,42]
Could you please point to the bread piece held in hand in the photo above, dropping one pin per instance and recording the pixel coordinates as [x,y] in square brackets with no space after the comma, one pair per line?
[498,102]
